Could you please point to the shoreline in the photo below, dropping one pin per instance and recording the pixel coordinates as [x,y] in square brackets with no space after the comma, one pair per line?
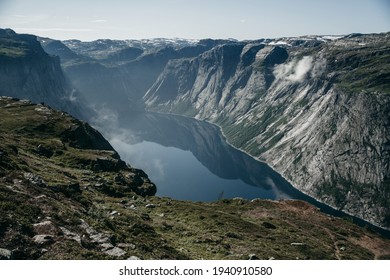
[323,207]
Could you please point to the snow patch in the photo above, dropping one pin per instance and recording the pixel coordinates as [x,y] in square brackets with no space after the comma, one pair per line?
[332,37]
[279,43]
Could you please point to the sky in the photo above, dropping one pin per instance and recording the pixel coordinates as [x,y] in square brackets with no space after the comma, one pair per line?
[89,20]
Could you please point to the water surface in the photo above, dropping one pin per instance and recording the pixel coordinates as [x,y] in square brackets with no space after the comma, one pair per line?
[190,160]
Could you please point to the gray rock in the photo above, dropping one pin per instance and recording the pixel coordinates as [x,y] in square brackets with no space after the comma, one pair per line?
[297,244]
[150,206]
[45,227]
[42,239]
[95,236]
[5,254]
[126,245]
[134,258]
[71,235]
[106,246]
[34,179]
[115,252]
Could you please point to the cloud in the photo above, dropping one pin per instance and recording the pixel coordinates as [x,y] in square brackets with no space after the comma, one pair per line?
[54,29]
[279,194]
[301,69]
[99,20]
[294,71]
[73,96]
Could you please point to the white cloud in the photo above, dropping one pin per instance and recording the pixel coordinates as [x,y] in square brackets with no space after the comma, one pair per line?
[99,20]
[59,29]
[294,71]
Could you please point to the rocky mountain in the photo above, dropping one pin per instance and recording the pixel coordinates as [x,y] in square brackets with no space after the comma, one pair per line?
[113,74]
[28,72]
[66,194]
[317,110]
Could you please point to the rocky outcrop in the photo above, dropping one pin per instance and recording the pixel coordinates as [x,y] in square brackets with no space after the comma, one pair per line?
[315,110]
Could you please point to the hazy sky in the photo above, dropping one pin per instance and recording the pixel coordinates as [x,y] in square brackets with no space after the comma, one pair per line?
[193,19]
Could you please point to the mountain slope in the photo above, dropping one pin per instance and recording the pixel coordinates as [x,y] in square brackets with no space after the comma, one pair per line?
[114,75]
[65,194]
[316,110]
[27,71]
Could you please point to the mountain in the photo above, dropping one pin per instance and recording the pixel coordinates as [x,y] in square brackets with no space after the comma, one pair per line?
[66,194]
[114,75]
[316,109]
[28,72]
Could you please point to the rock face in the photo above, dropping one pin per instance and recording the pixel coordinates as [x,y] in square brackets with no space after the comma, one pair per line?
[114,75]
[318,111]
[28,72]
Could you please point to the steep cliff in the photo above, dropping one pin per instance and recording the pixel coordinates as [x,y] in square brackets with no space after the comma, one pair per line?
[28,72]
[113,74]
[316,109]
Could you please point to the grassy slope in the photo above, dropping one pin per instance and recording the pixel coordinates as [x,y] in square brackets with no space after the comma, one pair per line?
[86,208]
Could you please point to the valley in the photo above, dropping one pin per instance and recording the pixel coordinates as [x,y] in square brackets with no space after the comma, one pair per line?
[315,109]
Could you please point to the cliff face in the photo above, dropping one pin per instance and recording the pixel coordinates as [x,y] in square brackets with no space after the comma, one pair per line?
[27,72]
[318,111]
[115,75]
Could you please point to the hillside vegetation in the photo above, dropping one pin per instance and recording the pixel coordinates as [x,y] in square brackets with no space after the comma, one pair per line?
[66,194]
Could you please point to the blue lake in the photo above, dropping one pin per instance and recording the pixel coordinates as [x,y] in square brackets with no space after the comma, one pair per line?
[190,160]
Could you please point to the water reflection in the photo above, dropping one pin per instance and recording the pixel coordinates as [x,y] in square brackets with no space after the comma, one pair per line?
[190,159]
